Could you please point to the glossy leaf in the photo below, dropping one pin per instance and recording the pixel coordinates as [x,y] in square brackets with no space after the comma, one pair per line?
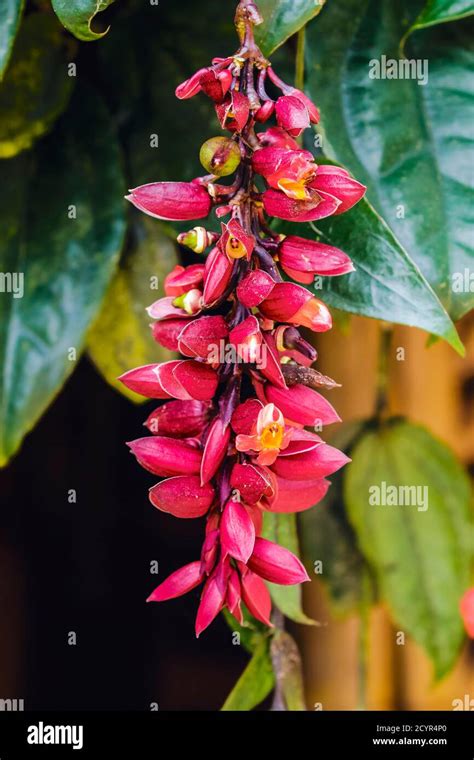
[328,543]
[281,19]
[255,683]
[281,529]
[121,336]
[412,144]
[10,17]
[440,11]
[387,284]
[78,16]
[419,546]
[63,231]
[36,87]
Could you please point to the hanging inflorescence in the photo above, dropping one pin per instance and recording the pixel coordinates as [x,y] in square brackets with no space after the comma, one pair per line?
[230,439]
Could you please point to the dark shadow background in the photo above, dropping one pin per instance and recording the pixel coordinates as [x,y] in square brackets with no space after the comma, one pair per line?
[85,567]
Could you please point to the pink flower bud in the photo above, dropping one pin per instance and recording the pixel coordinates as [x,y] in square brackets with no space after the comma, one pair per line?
[212,601]
[247,339]
[313,111]
[179,419]
[265,111]
[317,206]
[217,442]
[276,564]
[182,496]
[252,482]
[217,275]
[322,461]
[182,379]
[233,595]
[275,137]
[296,495]
[337,182]
[166,332]
[303,259]
[292,303]
[254,288]
[201,336]
[292,114]
[301,405]
[165,308]
[178,583]
[190,86]
[174,201]
[237,531]
[256,597]
[166,457]
[182,279]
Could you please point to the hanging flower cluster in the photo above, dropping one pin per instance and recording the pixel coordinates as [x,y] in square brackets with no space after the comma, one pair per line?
[230,440]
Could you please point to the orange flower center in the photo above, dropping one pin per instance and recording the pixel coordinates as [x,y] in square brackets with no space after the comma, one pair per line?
[272,436]
[235,249]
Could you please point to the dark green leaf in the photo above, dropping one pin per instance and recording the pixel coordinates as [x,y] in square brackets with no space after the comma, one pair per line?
[281,529]
[439,11]
[420,551]
[281,19]
[36,87]
[412,144]
[67,262]
[328,539]
[10,17]
[77,16]
[387,284]
[121,337]
[255,683]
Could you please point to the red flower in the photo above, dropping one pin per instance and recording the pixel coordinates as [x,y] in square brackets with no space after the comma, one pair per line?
[229,439]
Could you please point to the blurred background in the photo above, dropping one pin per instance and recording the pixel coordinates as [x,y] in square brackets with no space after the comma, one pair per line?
[78,537]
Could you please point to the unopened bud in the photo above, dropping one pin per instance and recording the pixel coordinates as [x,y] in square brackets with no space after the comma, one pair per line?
[220,156]
[197,239]
[190,301]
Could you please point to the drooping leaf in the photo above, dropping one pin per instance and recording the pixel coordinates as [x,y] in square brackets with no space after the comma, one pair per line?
[411,143]
[10,17]
[440,11]
[255,683]
[36,87]
[281,529]
[78,15]
[327,540]
[387,284]
[121,338]
[281,19]
[408,500]
[63,220]
[287,662]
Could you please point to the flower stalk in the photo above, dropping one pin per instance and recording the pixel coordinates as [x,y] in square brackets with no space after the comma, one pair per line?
[228,439]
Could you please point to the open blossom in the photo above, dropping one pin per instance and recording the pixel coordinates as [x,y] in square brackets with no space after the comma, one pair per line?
[228,440]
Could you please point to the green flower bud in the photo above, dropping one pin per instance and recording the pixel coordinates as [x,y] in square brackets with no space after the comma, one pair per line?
[220,156]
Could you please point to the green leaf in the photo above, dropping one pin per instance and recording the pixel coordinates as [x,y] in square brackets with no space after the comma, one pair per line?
[420,551]
[387,284]
[77,16]
[36,87]
[251,632]
[121,338]
[255,683]
[10,17]
[286,660]
[281,19]
[327,537]
[412,144]
[67,262]
[281,529]
[440,11]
